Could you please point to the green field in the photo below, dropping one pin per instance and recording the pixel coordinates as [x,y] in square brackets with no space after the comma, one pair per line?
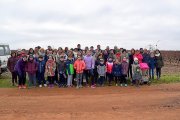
[5,80]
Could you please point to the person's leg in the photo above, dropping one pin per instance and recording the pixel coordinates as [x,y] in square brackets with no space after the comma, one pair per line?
[13,80]
[20,79]
[24,79]
[159,73]
[152,70]
[30,82]
[80,79]
[92,77]
[68,80]
[86,72]
[34,80]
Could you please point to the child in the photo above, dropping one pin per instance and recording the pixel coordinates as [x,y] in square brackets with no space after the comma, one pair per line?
[109,66]
[20,69]
[79,66]
[69,71]
[50,70]
[116,70]
[137,76]
[124,66]
[61,67]
[151,65]
[90,63]
[31,68]
[101,69]
[41,71]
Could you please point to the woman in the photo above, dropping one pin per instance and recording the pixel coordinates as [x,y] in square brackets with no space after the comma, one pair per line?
[11,64]
[158,63]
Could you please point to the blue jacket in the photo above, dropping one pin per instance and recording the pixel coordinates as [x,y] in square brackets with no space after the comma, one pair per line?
[146,57]
[152,62]
[41,66]
[117,70]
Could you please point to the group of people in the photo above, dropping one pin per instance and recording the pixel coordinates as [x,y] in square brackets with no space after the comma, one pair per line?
[78,67]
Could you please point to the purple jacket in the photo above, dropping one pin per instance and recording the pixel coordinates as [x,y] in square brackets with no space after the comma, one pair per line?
[31,67]
[20,67]
[11,63]
[125,66]
[89,61]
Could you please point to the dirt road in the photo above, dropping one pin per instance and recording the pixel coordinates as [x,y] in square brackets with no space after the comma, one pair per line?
[156,102]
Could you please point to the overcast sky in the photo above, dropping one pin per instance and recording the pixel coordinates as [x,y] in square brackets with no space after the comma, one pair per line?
[125,23]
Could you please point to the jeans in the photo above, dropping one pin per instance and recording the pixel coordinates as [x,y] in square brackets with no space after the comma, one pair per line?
[89,74]
[79,79]
[32,79]
[69,80]
[151,73]
[101,80]
[41,79]
[22,78]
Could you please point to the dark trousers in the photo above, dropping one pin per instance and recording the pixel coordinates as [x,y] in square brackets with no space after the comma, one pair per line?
[89,75]
[158,72]
[123,79]
[62,79]
[117,79]
[51,80]
[14,77]
[110,77]
[101,80]
[130,71]
[41,79]
[95,76]
[22,78]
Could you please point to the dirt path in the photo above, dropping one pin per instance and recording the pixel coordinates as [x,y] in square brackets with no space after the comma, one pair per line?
[158,102]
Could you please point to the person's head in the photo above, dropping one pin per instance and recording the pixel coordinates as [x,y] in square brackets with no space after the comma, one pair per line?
[98,47]
[50,57]
[137,52]
[61,58]
[151,54]
[145,50]
[79,57]
[88,53]
[42,50]
[40,58]
[66,49]
[79,46]
[102,61]
[124,51]
[91,48]
[31,58]
[132,51]
[107,48]
[157,51]
[110,59]
[24,58]
[124,59]
[141,50]
[49,48]
[112,51]
[136,60]
[13,54]
[31,51]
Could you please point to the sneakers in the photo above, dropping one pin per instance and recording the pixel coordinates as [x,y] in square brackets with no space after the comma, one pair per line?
[40,86]
[116,84]
[77,87]
[93,86]
[121,85]
[45,85]
[20,87]
[24,87]
[125,85]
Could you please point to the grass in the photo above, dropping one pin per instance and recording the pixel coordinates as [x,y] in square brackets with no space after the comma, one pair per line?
[5,80]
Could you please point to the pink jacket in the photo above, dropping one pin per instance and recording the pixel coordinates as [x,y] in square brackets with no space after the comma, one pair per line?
[139,57]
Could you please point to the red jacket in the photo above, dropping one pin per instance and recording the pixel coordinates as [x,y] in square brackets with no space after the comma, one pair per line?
[31,67]
[79,65]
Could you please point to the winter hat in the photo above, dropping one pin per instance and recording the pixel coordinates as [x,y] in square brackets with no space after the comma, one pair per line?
[135,59]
